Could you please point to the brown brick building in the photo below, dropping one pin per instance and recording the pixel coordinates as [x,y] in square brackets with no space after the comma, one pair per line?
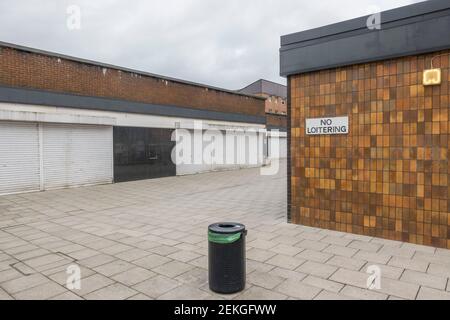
[29,68]
[276,114]
[68,122]
[276,101]
[386,173]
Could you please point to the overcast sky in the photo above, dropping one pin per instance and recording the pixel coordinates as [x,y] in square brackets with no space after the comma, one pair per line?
[226,43]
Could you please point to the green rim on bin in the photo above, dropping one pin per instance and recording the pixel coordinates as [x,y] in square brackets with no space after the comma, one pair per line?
[223,238]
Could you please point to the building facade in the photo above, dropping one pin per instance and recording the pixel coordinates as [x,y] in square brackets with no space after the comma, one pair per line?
[67,122]
[383,170]
[274,93]
[276,112]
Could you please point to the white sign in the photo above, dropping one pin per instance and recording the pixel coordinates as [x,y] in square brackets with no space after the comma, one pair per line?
[338,125]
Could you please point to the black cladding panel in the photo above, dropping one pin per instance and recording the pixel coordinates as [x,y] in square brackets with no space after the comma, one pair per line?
[142,153]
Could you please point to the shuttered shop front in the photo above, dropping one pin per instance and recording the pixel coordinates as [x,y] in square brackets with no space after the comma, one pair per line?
[76,155]
[47,156]
[19,157]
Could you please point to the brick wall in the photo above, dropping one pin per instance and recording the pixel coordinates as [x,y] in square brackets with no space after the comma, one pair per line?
[389,176]
[275,120]
[276,105]
[31,70]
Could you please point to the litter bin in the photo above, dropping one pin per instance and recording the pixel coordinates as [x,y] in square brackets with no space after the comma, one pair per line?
[226,242]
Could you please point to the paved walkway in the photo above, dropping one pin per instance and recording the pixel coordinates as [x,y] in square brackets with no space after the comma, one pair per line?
[147,240]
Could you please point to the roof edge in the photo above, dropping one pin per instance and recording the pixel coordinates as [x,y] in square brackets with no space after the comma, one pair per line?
[409,30]
[391,15]
[31,96]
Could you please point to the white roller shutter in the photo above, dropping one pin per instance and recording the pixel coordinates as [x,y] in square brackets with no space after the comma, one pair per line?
[76,155]
[236,147]
[19,157]
[282,147]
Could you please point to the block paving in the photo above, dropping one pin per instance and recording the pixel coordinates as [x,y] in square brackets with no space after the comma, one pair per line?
[147,240]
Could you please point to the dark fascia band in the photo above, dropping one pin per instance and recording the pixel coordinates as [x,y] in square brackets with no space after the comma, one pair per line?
[46,98]
[414,29]
[279,128]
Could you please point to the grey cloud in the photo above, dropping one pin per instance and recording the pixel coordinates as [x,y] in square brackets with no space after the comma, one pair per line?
[223,43]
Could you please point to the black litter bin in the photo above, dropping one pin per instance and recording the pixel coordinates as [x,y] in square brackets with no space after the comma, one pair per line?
[226,257]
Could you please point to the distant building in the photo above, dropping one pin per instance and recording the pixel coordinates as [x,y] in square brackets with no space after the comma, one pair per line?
[275,94]
[276,111]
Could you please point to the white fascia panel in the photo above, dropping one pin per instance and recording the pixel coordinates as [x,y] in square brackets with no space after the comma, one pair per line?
[37,113]
[29,116]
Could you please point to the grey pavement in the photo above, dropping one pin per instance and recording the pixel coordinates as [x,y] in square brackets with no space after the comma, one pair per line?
[147,240]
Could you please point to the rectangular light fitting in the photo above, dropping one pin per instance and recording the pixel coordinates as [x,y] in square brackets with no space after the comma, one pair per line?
[432,77]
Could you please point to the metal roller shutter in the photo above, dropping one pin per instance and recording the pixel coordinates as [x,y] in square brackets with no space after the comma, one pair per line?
[282,148]
[76,155]
[237,144]
[19,157]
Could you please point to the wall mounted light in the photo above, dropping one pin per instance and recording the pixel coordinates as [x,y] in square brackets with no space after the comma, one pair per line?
[432,77]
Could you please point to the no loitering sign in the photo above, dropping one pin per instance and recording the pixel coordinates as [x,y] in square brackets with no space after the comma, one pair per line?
[318,126]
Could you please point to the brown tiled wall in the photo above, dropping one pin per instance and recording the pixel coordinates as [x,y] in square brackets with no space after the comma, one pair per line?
[389,176]
[31,70]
